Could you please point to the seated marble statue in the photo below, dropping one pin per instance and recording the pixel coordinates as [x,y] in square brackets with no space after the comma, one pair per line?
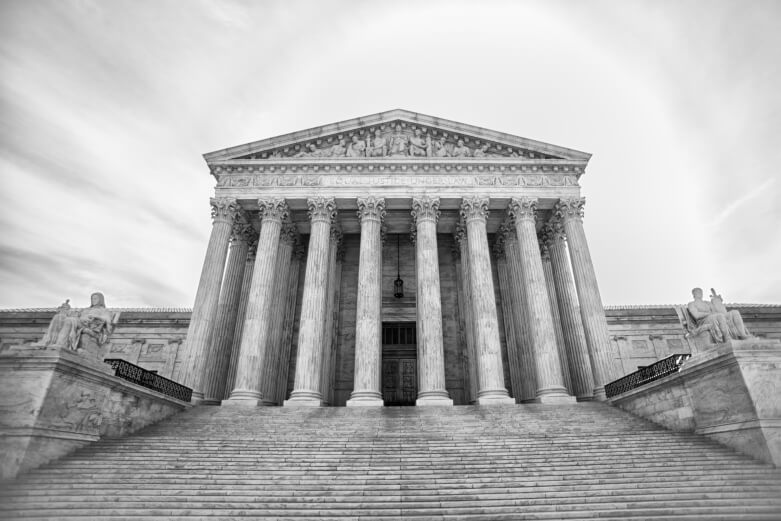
[721,324]
[84,331]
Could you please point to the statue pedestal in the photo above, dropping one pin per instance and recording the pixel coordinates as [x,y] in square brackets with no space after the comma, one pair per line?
[729,392]
[57,400]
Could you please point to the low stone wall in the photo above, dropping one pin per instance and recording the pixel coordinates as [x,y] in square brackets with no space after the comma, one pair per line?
[55,401]
[730,393]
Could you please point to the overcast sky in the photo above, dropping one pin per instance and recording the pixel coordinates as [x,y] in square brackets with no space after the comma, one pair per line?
[107,107]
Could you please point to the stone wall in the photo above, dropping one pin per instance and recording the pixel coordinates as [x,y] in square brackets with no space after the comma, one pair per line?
[153,338]
[54,401]
[728,393]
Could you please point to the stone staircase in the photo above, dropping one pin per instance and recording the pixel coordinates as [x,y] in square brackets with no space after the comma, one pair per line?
[581,461]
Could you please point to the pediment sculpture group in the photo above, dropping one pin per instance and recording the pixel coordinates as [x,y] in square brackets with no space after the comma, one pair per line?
[400,144]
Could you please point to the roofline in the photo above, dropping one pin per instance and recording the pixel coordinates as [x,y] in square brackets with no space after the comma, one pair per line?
[390,115]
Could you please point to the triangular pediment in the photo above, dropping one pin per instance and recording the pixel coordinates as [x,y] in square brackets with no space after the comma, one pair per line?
[396,134]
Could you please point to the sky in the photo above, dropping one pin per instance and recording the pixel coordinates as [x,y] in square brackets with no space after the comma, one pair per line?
[106,107]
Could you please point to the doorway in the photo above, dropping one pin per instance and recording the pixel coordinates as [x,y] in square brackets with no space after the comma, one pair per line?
[399,363]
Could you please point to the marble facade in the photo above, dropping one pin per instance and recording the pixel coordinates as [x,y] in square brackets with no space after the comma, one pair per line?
[309,198]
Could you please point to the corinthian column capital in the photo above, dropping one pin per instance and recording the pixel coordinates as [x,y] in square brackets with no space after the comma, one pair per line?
[474,208]
[371,208]
[289,233]
[223,209]
[321,209]
[569,208]
[425,208]
[274,209]
[242,231]
[522,208]
[460,234]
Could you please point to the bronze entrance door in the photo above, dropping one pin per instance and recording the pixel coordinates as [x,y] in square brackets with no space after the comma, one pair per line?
[399,364]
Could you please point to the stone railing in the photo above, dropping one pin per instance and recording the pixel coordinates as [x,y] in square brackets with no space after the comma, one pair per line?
[148,379]
[647,374]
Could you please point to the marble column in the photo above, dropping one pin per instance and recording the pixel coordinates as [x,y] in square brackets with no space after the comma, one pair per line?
[227,309]
[306,389]
[367,387]
[253,350]
[474,210]
[550,383]
[431,351]
[290,302]
[268,374]
[569,311]
[570,212]
[465,309]
[206,298]
[331,317]
[241,311]
[528,376]
[509,315]
[561,345]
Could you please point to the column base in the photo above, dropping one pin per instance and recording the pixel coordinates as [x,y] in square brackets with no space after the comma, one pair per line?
[304,399]
[439,397]
[365,399]
[242,402]
[599,394]
[556,399]
[494,397]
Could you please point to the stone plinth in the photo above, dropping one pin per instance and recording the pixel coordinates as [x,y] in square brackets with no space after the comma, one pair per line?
[55,401]
[729,393]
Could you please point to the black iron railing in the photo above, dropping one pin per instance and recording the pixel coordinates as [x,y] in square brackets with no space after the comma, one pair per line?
[148,379]
[645,375]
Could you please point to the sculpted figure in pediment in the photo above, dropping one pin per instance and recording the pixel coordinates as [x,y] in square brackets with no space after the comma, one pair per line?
[440,148]
[482,151]
[310,151]
[377,147]
[398,143]
[460,150]
[417,145]
[339,149]
[357,147]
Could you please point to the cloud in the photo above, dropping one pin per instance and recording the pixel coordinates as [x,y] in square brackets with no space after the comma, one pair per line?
[753,193]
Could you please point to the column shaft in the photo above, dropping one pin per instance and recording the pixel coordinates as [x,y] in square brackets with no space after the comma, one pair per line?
[465,312]
[206,298]
[306,389]
[550,383]
[268,375]
[290,303]
[227,308]
[491,375]
[570,211]
[571,320]
[528,375]
[331,317]
[509,315]
[367,387]
[241,312]
[431,353]
[561,345]
[253,350]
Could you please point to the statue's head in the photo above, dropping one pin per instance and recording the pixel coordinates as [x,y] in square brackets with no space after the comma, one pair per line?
[97,300]
[460,142]
[354,138]
[697,293]
[417,132]
[377,132]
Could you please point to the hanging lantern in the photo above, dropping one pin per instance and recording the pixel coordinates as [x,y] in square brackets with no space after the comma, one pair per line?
[398,284]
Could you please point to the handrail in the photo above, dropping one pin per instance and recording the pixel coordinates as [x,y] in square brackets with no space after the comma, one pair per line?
[647,374]
[140,376]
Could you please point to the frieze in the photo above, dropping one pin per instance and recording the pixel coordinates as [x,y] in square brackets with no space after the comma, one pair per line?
[530,180]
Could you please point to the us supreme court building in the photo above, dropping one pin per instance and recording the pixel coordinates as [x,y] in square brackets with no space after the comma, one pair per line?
[397,259]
